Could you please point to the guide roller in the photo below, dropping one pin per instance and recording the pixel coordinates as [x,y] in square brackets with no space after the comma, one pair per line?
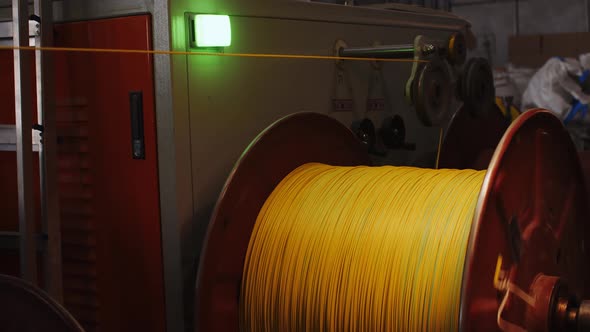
[526,260]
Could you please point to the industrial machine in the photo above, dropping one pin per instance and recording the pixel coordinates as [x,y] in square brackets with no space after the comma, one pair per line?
[543,248]
[145,107]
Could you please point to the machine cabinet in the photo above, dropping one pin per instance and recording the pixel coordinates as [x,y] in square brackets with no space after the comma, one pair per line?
[107,175]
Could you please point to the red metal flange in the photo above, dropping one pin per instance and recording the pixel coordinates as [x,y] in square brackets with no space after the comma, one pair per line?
[285,145]
[532,212]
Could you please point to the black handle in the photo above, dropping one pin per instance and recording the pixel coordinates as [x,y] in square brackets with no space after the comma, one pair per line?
[137,138]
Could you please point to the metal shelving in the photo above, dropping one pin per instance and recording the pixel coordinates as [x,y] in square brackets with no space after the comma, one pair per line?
[25,138]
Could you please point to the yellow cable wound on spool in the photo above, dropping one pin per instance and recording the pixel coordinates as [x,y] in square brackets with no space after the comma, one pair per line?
[360,249]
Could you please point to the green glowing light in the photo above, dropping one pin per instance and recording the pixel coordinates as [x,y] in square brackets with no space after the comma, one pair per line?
[212,30]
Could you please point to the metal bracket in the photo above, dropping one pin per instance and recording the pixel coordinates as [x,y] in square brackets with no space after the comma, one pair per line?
[420,43]
[6,32]
[11,241]
[8,138]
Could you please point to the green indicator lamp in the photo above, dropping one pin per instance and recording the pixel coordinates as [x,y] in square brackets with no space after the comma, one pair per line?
[211,30]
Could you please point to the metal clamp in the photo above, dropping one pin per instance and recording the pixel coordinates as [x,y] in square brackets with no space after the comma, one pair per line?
[6,32]
[8,138]
[11,241]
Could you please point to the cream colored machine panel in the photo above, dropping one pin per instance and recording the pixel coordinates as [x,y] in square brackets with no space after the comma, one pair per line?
[233,99]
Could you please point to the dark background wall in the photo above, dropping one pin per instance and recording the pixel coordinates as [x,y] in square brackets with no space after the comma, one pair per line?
[493,22]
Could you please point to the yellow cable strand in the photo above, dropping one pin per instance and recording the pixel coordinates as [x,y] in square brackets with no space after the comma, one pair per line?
[360,249]
[440,142]
[162,52]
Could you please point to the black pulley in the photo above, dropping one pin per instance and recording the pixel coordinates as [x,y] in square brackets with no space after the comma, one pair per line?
[393,132]
[476,86]
[365,131]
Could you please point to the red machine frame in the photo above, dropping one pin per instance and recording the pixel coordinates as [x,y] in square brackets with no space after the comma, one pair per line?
[111,235]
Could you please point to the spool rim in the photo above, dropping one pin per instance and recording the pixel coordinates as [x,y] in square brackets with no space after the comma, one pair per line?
[290,142]
[498,219]
[42,310]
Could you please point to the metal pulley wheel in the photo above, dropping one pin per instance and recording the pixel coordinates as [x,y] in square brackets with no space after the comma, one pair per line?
[476,86]
[432,93]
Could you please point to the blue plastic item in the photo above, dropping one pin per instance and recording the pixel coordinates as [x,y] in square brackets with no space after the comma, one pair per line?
[577,107]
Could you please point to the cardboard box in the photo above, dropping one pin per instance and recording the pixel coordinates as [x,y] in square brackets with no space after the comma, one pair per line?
[529,61]
[562,44]
[583,42]
[534,50]
[521,46]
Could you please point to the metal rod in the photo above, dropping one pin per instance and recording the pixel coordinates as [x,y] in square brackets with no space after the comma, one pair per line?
[386,52]
[24,144]
[50,216]
[516,18]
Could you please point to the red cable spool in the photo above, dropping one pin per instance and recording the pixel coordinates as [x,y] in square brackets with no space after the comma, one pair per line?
[531,211]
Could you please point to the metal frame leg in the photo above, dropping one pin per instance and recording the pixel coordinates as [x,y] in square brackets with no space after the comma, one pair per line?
[50,215]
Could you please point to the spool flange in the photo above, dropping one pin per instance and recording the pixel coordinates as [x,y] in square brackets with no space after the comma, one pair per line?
[26,308]
[287,144]
[469,141]
[531,211]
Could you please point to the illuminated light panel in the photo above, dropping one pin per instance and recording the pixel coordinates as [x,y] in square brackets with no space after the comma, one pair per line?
[212,30]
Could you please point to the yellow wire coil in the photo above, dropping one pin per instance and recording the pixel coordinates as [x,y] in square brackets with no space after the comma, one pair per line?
[360,249]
